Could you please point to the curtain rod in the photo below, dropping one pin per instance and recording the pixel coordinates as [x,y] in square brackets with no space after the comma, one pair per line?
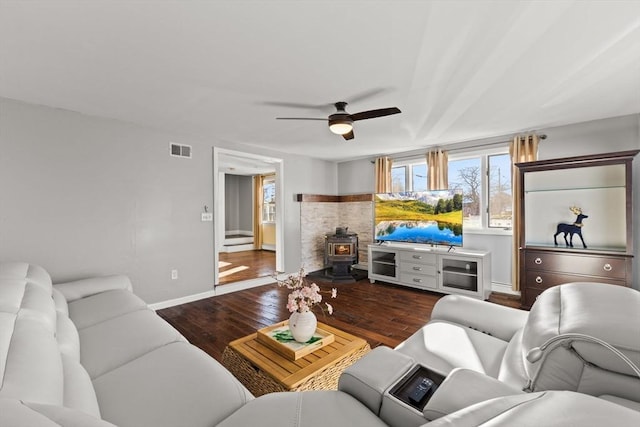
[466,147]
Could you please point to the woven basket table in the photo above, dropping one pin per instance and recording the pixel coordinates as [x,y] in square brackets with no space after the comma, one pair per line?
[263,370]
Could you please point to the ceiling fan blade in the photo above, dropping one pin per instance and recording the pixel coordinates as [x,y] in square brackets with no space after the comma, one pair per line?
[366,94]
[348,136]
[371,114]
[297,105]
[301,118]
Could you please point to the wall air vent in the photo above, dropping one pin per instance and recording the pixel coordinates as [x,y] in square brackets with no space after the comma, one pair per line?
[179,150]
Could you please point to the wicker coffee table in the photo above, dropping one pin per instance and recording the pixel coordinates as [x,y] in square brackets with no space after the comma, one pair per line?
[263,370]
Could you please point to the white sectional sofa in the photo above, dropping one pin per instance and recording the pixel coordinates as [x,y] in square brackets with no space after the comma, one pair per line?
[90,353]
[92,349]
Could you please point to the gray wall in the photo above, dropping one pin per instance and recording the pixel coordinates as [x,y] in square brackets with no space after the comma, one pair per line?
[598,136]
[238,202]
[85,196]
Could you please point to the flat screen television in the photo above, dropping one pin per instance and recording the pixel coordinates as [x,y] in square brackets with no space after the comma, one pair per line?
[429,217]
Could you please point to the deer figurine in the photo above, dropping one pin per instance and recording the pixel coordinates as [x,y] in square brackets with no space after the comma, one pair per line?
[571,229]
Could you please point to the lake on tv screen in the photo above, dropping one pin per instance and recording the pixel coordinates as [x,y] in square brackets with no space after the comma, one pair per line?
[418,232]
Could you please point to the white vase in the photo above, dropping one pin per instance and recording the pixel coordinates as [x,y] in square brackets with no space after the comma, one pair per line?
[303,325]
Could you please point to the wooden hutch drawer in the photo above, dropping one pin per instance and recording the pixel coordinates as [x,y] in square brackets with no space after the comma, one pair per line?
[602,266]
[543,280]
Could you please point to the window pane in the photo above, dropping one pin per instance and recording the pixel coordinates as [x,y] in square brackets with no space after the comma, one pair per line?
[269,200]
[466,175]
[500,196]
[419,177]
[398,179]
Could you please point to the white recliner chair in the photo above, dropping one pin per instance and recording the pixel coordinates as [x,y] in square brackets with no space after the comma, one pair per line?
[582,337]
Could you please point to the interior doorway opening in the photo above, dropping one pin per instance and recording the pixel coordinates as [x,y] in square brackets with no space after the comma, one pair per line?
[248,231]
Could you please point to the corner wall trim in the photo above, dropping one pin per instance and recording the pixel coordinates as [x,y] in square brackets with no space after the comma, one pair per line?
[328,198]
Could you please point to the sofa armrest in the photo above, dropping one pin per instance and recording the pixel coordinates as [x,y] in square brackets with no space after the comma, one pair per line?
[496,320]
[370,376]
[462,388]
[94,285]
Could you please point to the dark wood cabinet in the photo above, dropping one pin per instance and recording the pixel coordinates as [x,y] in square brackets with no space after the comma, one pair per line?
[553,192]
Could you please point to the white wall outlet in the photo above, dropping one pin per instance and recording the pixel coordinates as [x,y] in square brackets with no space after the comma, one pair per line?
[206,216]
[174,274]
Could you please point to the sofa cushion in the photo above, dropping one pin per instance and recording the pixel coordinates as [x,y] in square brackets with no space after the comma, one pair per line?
[308,409]
[572,328]
[60,302]
[442,346]
[29,272]
[550,409]
[78,389]
[28,299]
[67,336]
[30,362]
[167,386]
[107,305]
[16,413]
[114,342]
[94,285]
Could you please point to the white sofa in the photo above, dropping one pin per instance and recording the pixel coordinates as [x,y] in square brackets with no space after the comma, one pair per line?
[91,350]
[576,337]
[90,353]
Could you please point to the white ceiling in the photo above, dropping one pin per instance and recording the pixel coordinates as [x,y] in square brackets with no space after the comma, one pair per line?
[458,70]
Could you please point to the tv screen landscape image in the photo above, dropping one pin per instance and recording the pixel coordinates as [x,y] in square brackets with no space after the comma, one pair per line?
[428,217]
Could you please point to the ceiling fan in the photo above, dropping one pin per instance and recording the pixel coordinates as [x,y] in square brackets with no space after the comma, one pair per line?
[341,122]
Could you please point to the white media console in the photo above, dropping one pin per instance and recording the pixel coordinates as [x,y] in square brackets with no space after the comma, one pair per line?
[439,269]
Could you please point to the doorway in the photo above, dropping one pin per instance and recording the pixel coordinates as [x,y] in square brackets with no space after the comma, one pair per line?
[238,260]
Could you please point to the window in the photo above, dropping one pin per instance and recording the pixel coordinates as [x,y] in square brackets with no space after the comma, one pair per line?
[269,199]
[484,178]
[409,177]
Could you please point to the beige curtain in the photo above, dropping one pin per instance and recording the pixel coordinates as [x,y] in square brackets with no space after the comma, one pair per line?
[523,148]
[438,170]
[383,175]
[257,211]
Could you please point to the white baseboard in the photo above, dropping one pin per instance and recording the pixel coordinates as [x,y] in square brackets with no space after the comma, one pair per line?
[237,248]
[268,247]
[218,290]
[503,288]
[182,300]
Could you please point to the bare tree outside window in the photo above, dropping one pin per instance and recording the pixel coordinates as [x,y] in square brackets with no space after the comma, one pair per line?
[466,175]
[500,195]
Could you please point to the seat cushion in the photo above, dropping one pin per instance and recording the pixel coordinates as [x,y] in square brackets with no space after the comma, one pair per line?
[442,346]
[167,386]
[107,305]
[114,342]
[308,409]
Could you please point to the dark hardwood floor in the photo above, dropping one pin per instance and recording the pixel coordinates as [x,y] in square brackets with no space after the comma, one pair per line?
[383,314]
[245,265]
[380,313]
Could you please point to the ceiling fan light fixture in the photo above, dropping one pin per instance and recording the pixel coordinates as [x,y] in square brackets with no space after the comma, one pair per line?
[341,126]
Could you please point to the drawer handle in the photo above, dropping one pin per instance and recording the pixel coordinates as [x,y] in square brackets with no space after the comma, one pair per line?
[417,268]
[538,280]
[417,280]
[417,256]
[538,261]
[607,267]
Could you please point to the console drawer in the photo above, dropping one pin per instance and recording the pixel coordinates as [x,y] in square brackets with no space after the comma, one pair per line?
[419,280]
[417,257]
[412,268]
[589,265]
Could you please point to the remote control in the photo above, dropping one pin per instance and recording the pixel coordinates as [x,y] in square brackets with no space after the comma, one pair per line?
[420,391]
